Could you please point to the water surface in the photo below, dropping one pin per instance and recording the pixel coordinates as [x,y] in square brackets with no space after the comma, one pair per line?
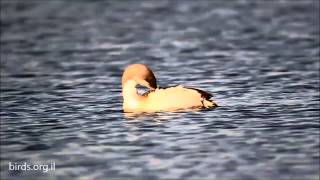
[61,64]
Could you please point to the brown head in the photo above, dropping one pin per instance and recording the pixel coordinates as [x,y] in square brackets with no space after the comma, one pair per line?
[141,74]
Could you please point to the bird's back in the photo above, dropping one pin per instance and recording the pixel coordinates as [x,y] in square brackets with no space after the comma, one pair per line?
[178,97]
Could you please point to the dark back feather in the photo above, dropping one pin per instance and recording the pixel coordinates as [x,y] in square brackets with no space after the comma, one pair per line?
[204,94]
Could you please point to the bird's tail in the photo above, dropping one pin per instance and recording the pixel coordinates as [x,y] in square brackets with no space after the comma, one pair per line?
[209,103]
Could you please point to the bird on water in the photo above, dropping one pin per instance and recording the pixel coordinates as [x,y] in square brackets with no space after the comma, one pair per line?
[158,99]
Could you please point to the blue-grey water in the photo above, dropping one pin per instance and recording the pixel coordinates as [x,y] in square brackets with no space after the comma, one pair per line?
[61,65]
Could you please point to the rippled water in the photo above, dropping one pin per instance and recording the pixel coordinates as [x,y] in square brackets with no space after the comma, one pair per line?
[61,64]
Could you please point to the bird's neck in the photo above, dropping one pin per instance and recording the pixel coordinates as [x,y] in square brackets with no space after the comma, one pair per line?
[131,98]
